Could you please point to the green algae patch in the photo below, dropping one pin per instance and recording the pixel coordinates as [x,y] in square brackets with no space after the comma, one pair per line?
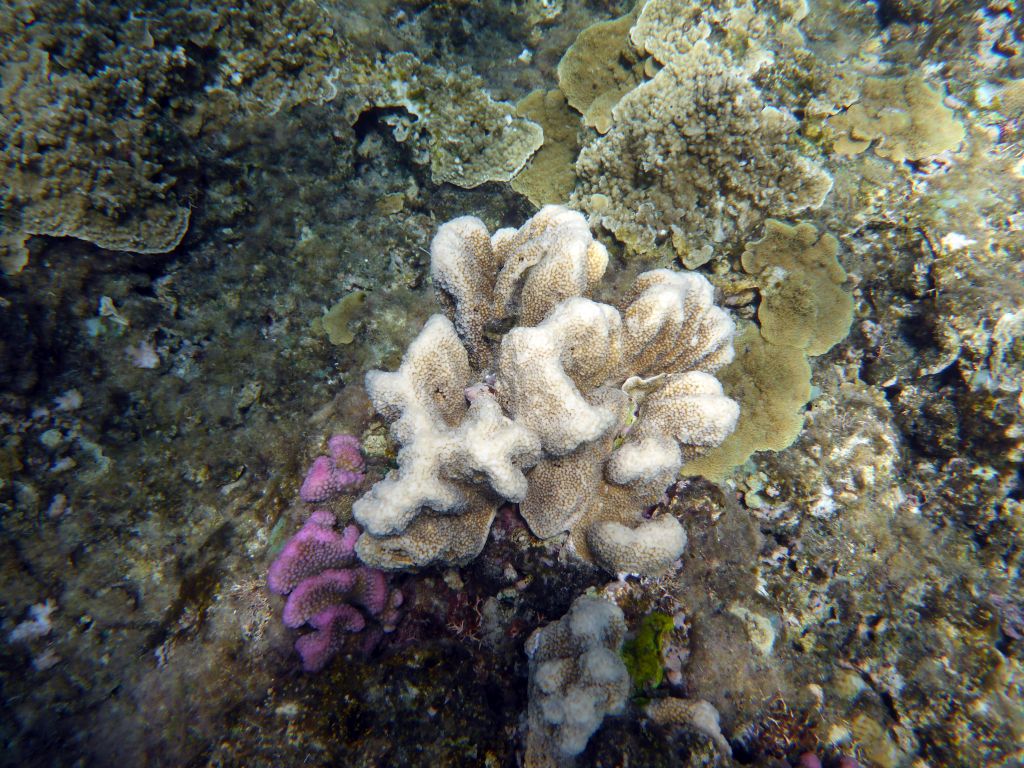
[336,321]
[643,653]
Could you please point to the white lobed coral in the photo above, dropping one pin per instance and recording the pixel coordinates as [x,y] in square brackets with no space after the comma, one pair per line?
[576,678]
[581,412]
[445,439]
[633,550]
[543,372]
[516,274]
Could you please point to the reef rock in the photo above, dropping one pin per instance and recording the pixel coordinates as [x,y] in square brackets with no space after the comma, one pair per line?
[580,412]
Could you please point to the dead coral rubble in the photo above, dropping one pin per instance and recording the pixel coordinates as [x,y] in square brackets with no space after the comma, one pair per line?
[581,412]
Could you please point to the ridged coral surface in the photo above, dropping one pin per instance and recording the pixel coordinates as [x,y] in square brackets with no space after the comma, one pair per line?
[581,412]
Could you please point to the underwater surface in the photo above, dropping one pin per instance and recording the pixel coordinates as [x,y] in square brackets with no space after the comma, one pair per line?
[512,383]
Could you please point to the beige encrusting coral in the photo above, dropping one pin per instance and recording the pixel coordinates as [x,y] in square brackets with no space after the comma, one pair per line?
[773,384]
[696,157]
[64,170]
[904,115]
[803,303]
[550,175]
[467,137]
[580,412]
[598,69]
[576,678]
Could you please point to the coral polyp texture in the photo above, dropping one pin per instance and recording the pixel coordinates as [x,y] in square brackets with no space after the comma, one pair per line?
[339,471]
[580,412]
[577,676]
[314,571]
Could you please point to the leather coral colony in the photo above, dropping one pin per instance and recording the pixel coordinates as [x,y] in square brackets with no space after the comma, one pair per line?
[527,391]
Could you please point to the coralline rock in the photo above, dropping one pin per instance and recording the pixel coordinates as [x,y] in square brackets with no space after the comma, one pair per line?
[340,471]
[703,177]
[313,570]
[582,413]
[576,678]
[903,114]
[690,714]
[803,304]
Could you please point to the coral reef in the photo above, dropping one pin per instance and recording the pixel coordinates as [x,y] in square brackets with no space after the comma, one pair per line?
[856,593]
[69,110]
[576,679]
[707,176]
[600,408]
[468,138]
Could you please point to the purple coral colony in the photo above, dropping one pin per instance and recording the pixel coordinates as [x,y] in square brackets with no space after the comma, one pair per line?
[315,569]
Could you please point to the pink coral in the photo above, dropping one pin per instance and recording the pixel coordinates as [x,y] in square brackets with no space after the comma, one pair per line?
[363,586]
[315,548]
[331,626]
[340,471]
[324,593]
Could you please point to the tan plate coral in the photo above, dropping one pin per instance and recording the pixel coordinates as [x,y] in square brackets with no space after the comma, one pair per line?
[904,115]
[803,304]
[529,392]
